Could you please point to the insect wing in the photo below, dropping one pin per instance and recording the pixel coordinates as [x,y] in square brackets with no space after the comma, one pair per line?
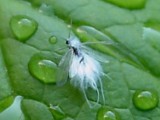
[63,68]
[95,55]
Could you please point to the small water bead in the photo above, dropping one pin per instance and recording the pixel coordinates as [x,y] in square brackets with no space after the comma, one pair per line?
[53,40]
[57,112]
[130,4]
[153,25]
[42,68]
[145,100]
[46,9]
[105,113]
[23,27]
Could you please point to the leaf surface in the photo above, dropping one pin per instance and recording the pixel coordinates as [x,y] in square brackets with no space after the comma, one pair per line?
[133,58]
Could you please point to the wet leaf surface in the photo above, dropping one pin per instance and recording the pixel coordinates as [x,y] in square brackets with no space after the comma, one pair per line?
[134,55]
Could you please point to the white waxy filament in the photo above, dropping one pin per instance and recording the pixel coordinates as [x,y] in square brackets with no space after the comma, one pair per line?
[84,70]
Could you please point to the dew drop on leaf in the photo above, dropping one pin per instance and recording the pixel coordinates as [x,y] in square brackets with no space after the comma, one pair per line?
[153,25]
[57,112]
[145,100]
[42,68]
[105,113]
[52,39]
[23,27]
[46,9]
[130,4]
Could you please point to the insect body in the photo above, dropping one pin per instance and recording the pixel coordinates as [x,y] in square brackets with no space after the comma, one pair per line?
[83,69]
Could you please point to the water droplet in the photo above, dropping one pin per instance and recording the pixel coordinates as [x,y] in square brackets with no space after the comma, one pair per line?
[152,24]
[105,113]
[57,112]
[52,39]
[46,9]
[145,100]
[130,4]
[23,27]
[41,67]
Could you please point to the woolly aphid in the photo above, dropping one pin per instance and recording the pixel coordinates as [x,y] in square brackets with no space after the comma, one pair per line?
[83,70]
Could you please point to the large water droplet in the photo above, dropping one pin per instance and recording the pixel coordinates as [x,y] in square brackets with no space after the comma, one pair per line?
[52,39]
[43,68]
[145,100]
[105,113]
[23,27]
[130,4]
[57,112]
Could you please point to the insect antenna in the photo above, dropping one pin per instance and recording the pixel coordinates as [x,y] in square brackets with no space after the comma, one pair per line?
[69,35]
[98,42]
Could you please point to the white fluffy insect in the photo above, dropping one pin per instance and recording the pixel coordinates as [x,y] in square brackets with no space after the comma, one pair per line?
[83,69]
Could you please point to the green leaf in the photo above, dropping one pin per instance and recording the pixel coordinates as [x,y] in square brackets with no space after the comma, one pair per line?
[38,112]
[132,28]
[6,97]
